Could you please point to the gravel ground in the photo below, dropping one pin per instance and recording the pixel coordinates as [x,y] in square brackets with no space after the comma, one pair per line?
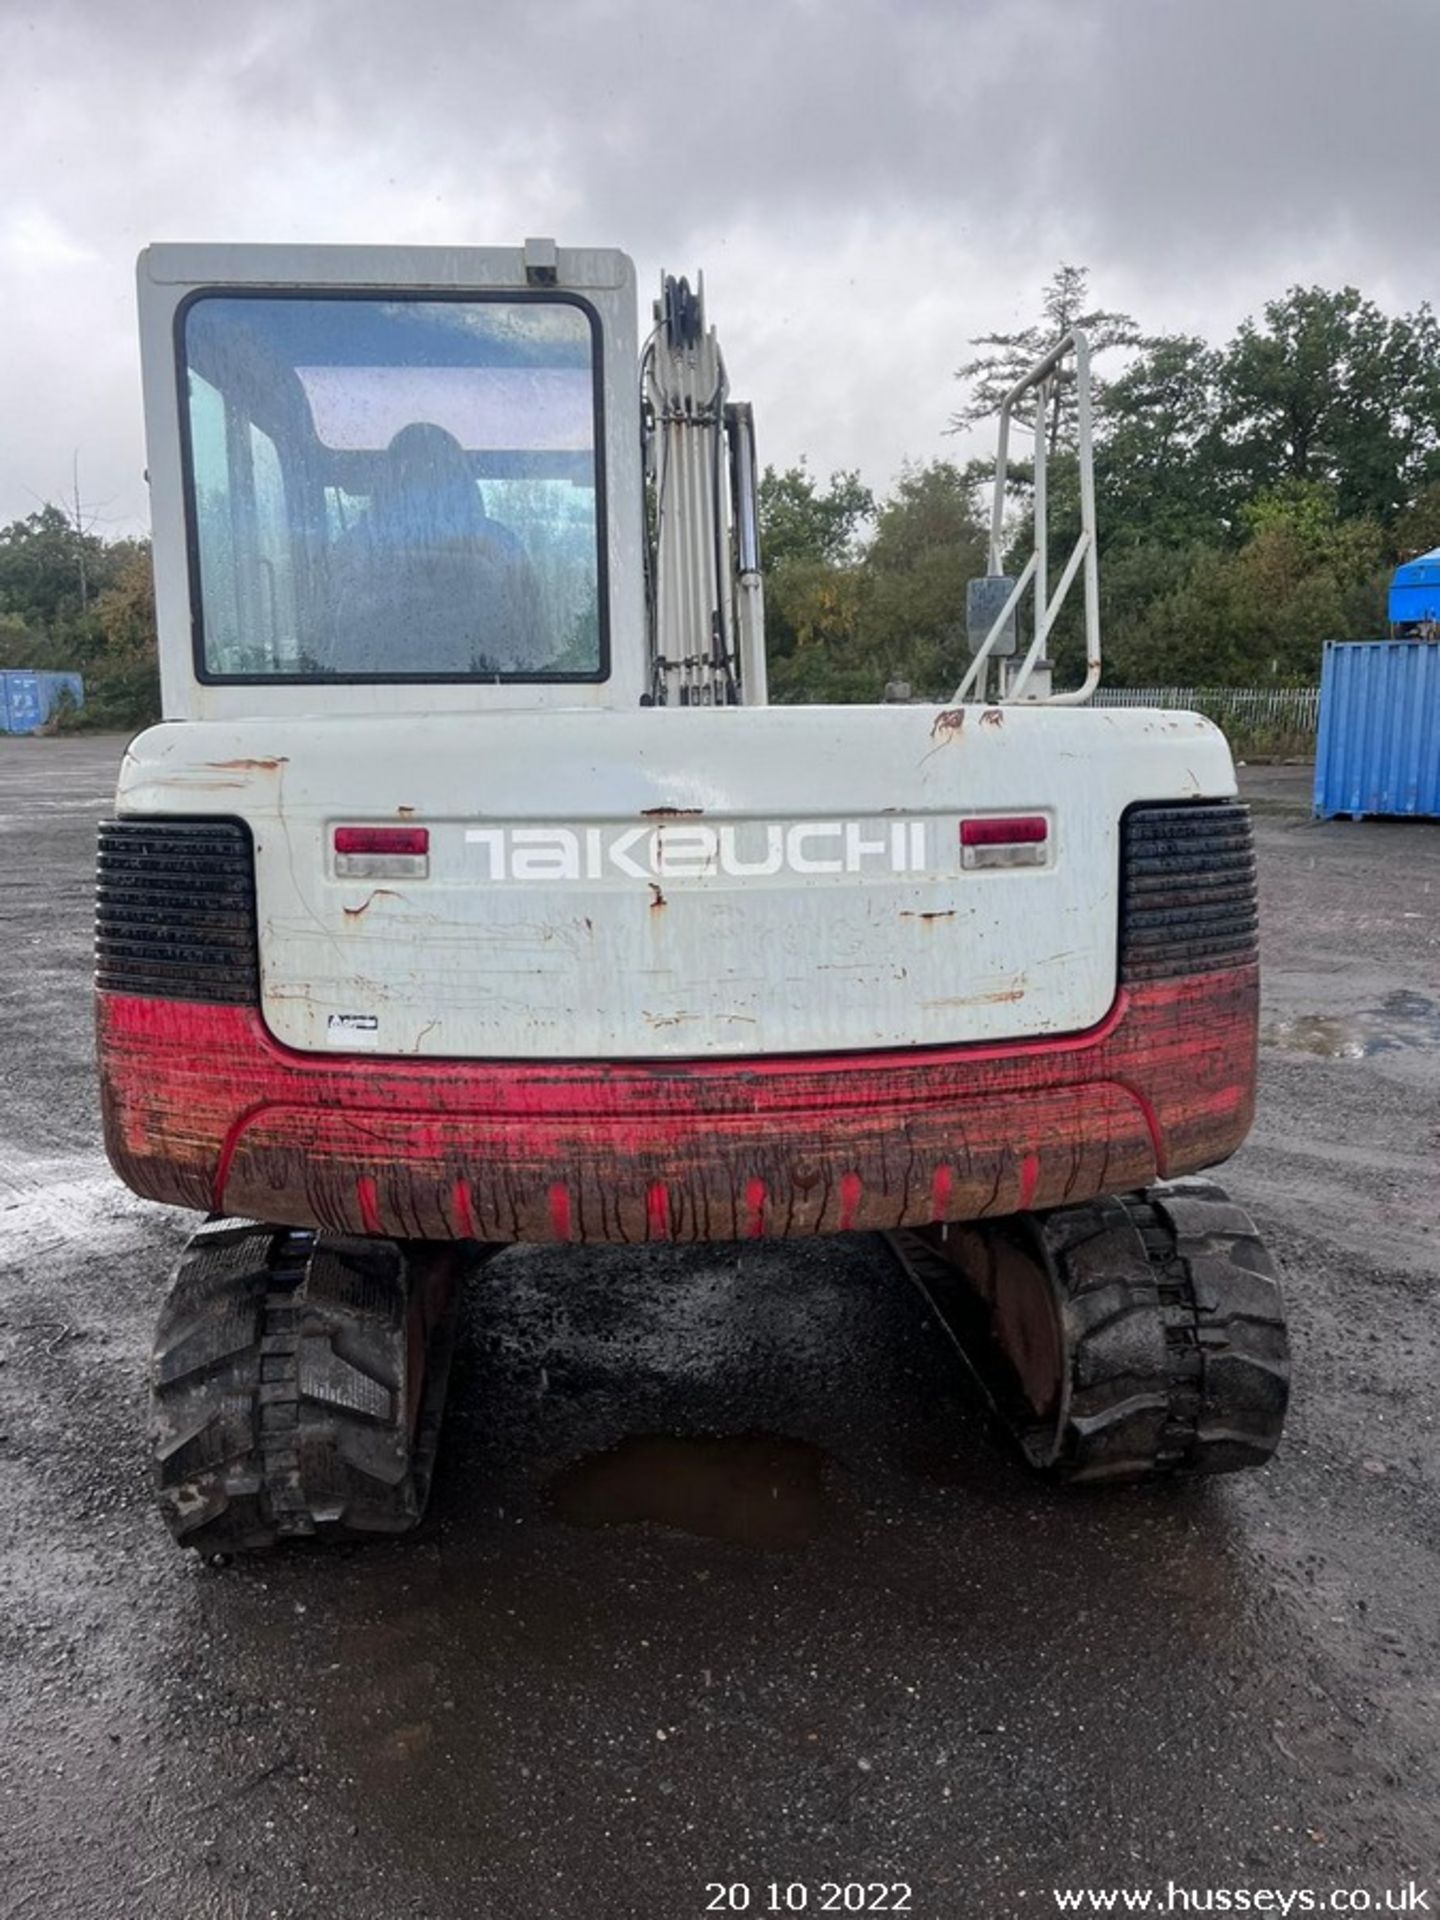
[723,1581]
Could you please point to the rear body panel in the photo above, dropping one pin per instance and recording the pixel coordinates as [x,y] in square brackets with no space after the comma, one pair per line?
[786,1006]
[681,884]
[204,1110]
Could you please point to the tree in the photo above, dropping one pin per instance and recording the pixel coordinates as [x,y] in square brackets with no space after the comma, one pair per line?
[809,539]
[927,545]
[1007,357]
[812,616]
[1417,527]
[124,687]
[1257,613]
[19,647]
[894,608]
[801,521]
[1329,388]
[50,568]
[1162,468]
[100,623]
[42,562]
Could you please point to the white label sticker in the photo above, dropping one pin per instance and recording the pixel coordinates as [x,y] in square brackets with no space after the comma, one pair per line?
[352,1029]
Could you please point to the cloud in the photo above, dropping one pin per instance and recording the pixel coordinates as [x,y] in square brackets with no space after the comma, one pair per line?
[32,242]
[866,182]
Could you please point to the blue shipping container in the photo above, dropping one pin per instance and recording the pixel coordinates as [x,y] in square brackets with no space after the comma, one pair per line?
[1415,591]
[28,699]
[1378,749]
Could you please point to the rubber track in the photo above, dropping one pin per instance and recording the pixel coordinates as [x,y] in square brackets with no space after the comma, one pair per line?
[280,1388]
[1228,1352]
[1178,1359]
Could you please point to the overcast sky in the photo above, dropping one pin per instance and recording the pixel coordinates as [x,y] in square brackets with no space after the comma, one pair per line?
[866,185]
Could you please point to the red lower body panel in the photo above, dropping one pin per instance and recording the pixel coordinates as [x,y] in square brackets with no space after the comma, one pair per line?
[203,1109]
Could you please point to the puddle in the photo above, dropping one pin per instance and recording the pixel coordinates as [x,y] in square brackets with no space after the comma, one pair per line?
[758,1490]
[1403,1020]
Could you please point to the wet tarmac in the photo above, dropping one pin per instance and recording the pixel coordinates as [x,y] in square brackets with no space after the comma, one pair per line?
[1404,1019]
[724,1582]
[760,1490]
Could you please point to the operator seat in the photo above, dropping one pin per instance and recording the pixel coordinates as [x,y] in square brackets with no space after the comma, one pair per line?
[428,582]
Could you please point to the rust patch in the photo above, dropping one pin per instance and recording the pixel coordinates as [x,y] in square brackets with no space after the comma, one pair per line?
[992,717]
[380,893]
[404,812]
[671,813]
[250,766]
[948,724]
[978,999]
[659,901]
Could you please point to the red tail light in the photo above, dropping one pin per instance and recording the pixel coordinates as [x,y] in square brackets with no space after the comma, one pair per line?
[382,853]
[382,840]
[1005,840]
[1011,830]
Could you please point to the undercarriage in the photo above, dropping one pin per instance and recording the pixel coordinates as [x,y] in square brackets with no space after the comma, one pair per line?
[299,1378]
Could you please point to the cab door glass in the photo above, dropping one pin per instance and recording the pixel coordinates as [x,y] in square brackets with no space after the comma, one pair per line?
[394,489]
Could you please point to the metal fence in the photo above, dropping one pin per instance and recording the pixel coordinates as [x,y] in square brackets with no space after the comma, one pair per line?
[1284,710]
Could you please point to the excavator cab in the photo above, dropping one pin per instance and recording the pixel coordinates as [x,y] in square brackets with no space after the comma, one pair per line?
[389,486]
[471,893]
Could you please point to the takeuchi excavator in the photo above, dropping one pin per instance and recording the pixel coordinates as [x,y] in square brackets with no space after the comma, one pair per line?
[471,893]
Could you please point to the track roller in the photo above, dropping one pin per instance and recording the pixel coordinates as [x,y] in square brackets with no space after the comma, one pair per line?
[1134,1337]
[297,1384]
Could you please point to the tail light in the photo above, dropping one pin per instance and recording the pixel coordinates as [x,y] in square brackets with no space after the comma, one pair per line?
[381,853]
[1004,840]
[175,910]
[1188,899]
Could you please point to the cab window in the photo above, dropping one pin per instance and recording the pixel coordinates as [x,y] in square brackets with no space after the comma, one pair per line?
[393,489]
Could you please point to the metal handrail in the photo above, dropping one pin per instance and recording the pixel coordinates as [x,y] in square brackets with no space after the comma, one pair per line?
[1040,381]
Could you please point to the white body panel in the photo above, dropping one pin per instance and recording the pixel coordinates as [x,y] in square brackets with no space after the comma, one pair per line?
[587,894]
